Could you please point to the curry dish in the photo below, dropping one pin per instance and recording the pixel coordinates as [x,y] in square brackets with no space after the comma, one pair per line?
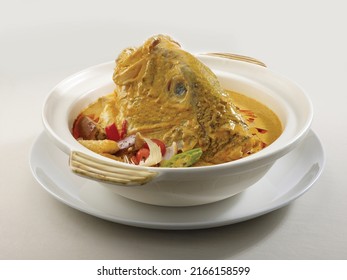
[168,109]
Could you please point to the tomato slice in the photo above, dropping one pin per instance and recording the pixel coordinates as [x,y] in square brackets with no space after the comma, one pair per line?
[159,143]
[142,154]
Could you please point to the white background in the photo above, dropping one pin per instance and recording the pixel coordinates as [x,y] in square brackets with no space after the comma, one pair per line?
[42,42]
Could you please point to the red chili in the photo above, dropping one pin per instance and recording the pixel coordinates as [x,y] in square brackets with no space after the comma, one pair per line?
[159,143]
[112,132]
[124,129]
[261,130]
[246,112]
[251,120]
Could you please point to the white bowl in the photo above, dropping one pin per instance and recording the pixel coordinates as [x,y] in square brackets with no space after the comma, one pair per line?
[194,185]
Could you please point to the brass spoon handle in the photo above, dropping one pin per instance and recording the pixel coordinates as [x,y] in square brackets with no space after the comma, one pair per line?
[238,57]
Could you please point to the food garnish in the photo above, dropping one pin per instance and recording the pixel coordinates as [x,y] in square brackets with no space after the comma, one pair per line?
[185,159]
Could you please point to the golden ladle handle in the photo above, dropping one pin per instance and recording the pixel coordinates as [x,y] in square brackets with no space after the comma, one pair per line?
[238,57]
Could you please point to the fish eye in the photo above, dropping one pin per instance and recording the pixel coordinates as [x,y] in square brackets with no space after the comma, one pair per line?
[180,89]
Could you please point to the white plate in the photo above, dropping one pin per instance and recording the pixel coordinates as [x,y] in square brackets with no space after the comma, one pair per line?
[289,178]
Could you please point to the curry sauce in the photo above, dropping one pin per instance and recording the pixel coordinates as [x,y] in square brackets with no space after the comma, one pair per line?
[261,119]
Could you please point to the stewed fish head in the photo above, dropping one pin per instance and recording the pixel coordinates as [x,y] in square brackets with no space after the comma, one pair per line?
[165,92]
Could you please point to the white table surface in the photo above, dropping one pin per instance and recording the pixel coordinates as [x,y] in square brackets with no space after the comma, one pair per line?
[42,42]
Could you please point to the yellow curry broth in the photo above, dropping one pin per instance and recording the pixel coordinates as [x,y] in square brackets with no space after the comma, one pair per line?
[261,120]
[97,107]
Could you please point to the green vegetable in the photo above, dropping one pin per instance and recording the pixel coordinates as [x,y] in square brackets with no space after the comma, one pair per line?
[185,159]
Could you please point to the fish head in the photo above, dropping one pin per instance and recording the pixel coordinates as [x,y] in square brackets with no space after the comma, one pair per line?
[165,92]
[155,91]
[154,73]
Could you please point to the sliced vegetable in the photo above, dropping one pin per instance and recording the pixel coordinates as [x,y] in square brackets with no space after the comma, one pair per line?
[154,154]
[75,129]
[142,155]
[170,151]
[100,146]
[184,159]
[139,141]
[112,132]
[86,128]
[160,144]
[123,132]
[127,142]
